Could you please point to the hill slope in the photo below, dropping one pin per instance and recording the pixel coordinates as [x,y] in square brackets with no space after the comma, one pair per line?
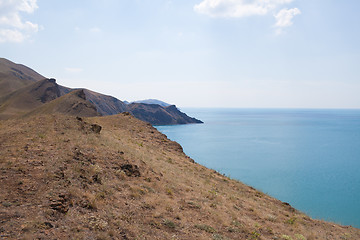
[67,180]
[22,90]
[73,103]
[28,98]
[15,76]
[105,105]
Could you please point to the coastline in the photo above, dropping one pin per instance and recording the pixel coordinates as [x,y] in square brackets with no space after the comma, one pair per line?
[309,186]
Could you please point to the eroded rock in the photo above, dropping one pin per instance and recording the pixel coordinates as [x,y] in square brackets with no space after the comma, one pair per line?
[130,170]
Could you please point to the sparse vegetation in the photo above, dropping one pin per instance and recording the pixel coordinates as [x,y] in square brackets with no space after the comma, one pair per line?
[205,228]
[291,220]
[286,237]
[299,237]
[77,184]
[169,224]
[255,235]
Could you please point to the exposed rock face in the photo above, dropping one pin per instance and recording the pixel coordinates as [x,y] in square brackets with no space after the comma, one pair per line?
[95,128]
[89,128]
[60,204]
[131,170]
[48,90]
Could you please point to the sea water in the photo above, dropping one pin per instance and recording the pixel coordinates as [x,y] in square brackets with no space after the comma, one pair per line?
[308,158]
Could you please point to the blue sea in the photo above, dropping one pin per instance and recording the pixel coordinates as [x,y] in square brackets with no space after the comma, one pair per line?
[308,158]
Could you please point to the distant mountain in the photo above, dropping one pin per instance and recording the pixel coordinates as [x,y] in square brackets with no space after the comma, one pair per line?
[158,115]
[153,101]
[25,92]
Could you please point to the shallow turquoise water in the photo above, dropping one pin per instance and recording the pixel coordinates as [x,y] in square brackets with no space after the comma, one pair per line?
[309,158]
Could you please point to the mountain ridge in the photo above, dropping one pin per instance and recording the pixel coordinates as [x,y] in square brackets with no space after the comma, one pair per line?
[153,101]
[19,82]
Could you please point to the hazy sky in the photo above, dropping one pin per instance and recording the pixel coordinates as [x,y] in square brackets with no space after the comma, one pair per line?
[199,53]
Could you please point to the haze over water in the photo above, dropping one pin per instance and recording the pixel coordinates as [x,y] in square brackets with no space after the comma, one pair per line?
[309,158]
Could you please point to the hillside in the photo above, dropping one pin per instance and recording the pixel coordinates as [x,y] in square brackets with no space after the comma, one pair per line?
[28,98]
[116,177]
[15,76]
[105,105]
[73,104]
[22,90]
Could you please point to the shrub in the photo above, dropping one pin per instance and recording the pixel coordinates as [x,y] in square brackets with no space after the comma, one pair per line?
[291,221]
[255,235]
[169,224]
[205,228]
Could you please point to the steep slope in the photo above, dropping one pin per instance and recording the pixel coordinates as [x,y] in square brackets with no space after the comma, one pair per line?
[158,115]
[73,103]
[27,98]
[64,90]
[105,105]
[67,181]
[180,117]
[15,76]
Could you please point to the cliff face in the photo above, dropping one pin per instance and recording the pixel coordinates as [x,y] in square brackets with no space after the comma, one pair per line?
[116,177]
[159,115]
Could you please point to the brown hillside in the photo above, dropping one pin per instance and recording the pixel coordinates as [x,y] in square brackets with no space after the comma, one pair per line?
[63,179]
[27,98]
[73,103]
[15,76]
[106,105]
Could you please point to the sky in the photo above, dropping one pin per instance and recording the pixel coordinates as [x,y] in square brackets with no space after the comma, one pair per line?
[193,53]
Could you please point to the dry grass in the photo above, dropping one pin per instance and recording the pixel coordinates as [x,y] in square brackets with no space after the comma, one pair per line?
[129,182]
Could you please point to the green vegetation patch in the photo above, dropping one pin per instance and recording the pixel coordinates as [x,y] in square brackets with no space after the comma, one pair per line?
[205,228]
